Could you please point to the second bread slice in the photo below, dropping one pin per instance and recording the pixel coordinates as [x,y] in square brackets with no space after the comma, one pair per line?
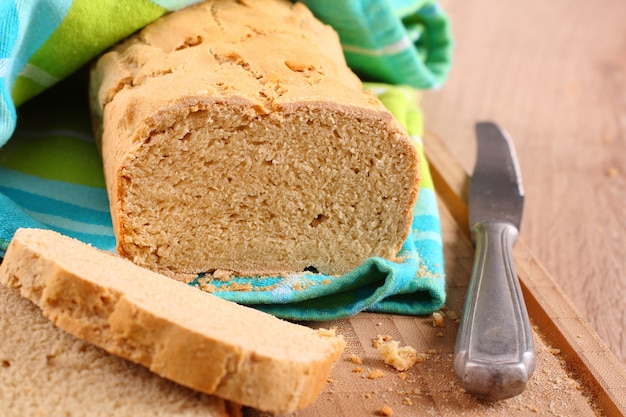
[45,371]
[178,332]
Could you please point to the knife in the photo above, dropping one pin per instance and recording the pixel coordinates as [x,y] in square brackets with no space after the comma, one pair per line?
[494,354]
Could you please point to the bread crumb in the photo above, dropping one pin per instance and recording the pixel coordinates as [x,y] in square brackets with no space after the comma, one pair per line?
[385,411]
[380,339]
[208,287]
[332,332]
[451,315]
[355,359]
[402,375]
[233,286]
[438,319]
[222,274]
[357,369]
[421,272]
[401,358]
[375,374]
[555,351]
[407,401]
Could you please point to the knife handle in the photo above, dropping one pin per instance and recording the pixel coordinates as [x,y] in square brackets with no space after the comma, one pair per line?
[494,355]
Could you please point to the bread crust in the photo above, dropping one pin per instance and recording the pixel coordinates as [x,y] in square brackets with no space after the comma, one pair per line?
[178,332]
[235,137]
[46,371]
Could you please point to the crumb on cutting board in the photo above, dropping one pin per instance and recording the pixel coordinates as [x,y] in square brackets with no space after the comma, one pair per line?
[400,358]
[355,359]
[380,339]
[385,411]
[375,374]
[438,319]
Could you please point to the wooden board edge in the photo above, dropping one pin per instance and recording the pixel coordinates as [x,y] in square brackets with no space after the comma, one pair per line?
[588,358]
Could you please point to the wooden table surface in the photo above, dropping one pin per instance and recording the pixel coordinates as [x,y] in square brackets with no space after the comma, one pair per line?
[553,74]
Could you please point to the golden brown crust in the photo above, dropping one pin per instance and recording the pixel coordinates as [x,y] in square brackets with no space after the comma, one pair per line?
[235,137]
[177,331]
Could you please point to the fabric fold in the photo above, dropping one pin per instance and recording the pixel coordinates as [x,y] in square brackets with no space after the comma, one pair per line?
[395,41]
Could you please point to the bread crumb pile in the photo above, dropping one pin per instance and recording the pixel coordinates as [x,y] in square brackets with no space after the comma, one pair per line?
[364,384]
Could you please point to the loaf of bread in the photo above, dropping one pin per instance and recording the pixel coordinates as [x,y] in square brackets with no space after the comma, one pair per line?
[177,331]
[235,137]
[45,371]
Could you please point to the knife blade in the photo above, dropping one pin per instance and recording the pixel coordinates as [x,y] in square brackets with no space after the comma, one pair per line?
[494,353]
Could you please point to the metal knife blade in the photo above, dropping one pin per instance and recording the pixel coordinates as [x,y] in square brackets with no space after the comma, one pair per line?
[494,355]
[496,192]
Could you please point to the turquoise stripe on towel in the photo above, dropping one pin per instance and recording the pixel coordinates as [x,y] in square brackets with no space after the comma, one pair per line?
[52,207]
[80,196]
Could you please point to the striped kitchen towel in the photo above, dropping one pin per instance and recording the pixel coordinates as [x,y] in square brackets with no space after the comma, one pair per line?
[51,173]
[396,41]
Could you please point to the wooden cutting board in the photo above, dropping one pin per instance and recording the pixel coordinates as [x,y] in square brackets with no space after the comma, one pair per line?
[576,375]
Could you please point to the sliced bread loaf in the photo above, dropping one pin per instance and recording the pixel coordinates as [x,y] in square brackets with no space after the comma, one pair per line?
[45,371]
[178,332]
[235,137]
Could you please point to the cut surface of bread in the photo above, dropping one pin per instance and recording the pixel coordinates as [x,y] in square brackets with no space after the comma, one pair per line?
[235,137]
[178,332]
[45,371]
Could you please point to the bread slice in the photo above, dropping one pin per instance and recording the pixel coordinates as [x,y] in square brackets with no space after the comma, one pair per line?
[45,371]
[235,137]
[177,331]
